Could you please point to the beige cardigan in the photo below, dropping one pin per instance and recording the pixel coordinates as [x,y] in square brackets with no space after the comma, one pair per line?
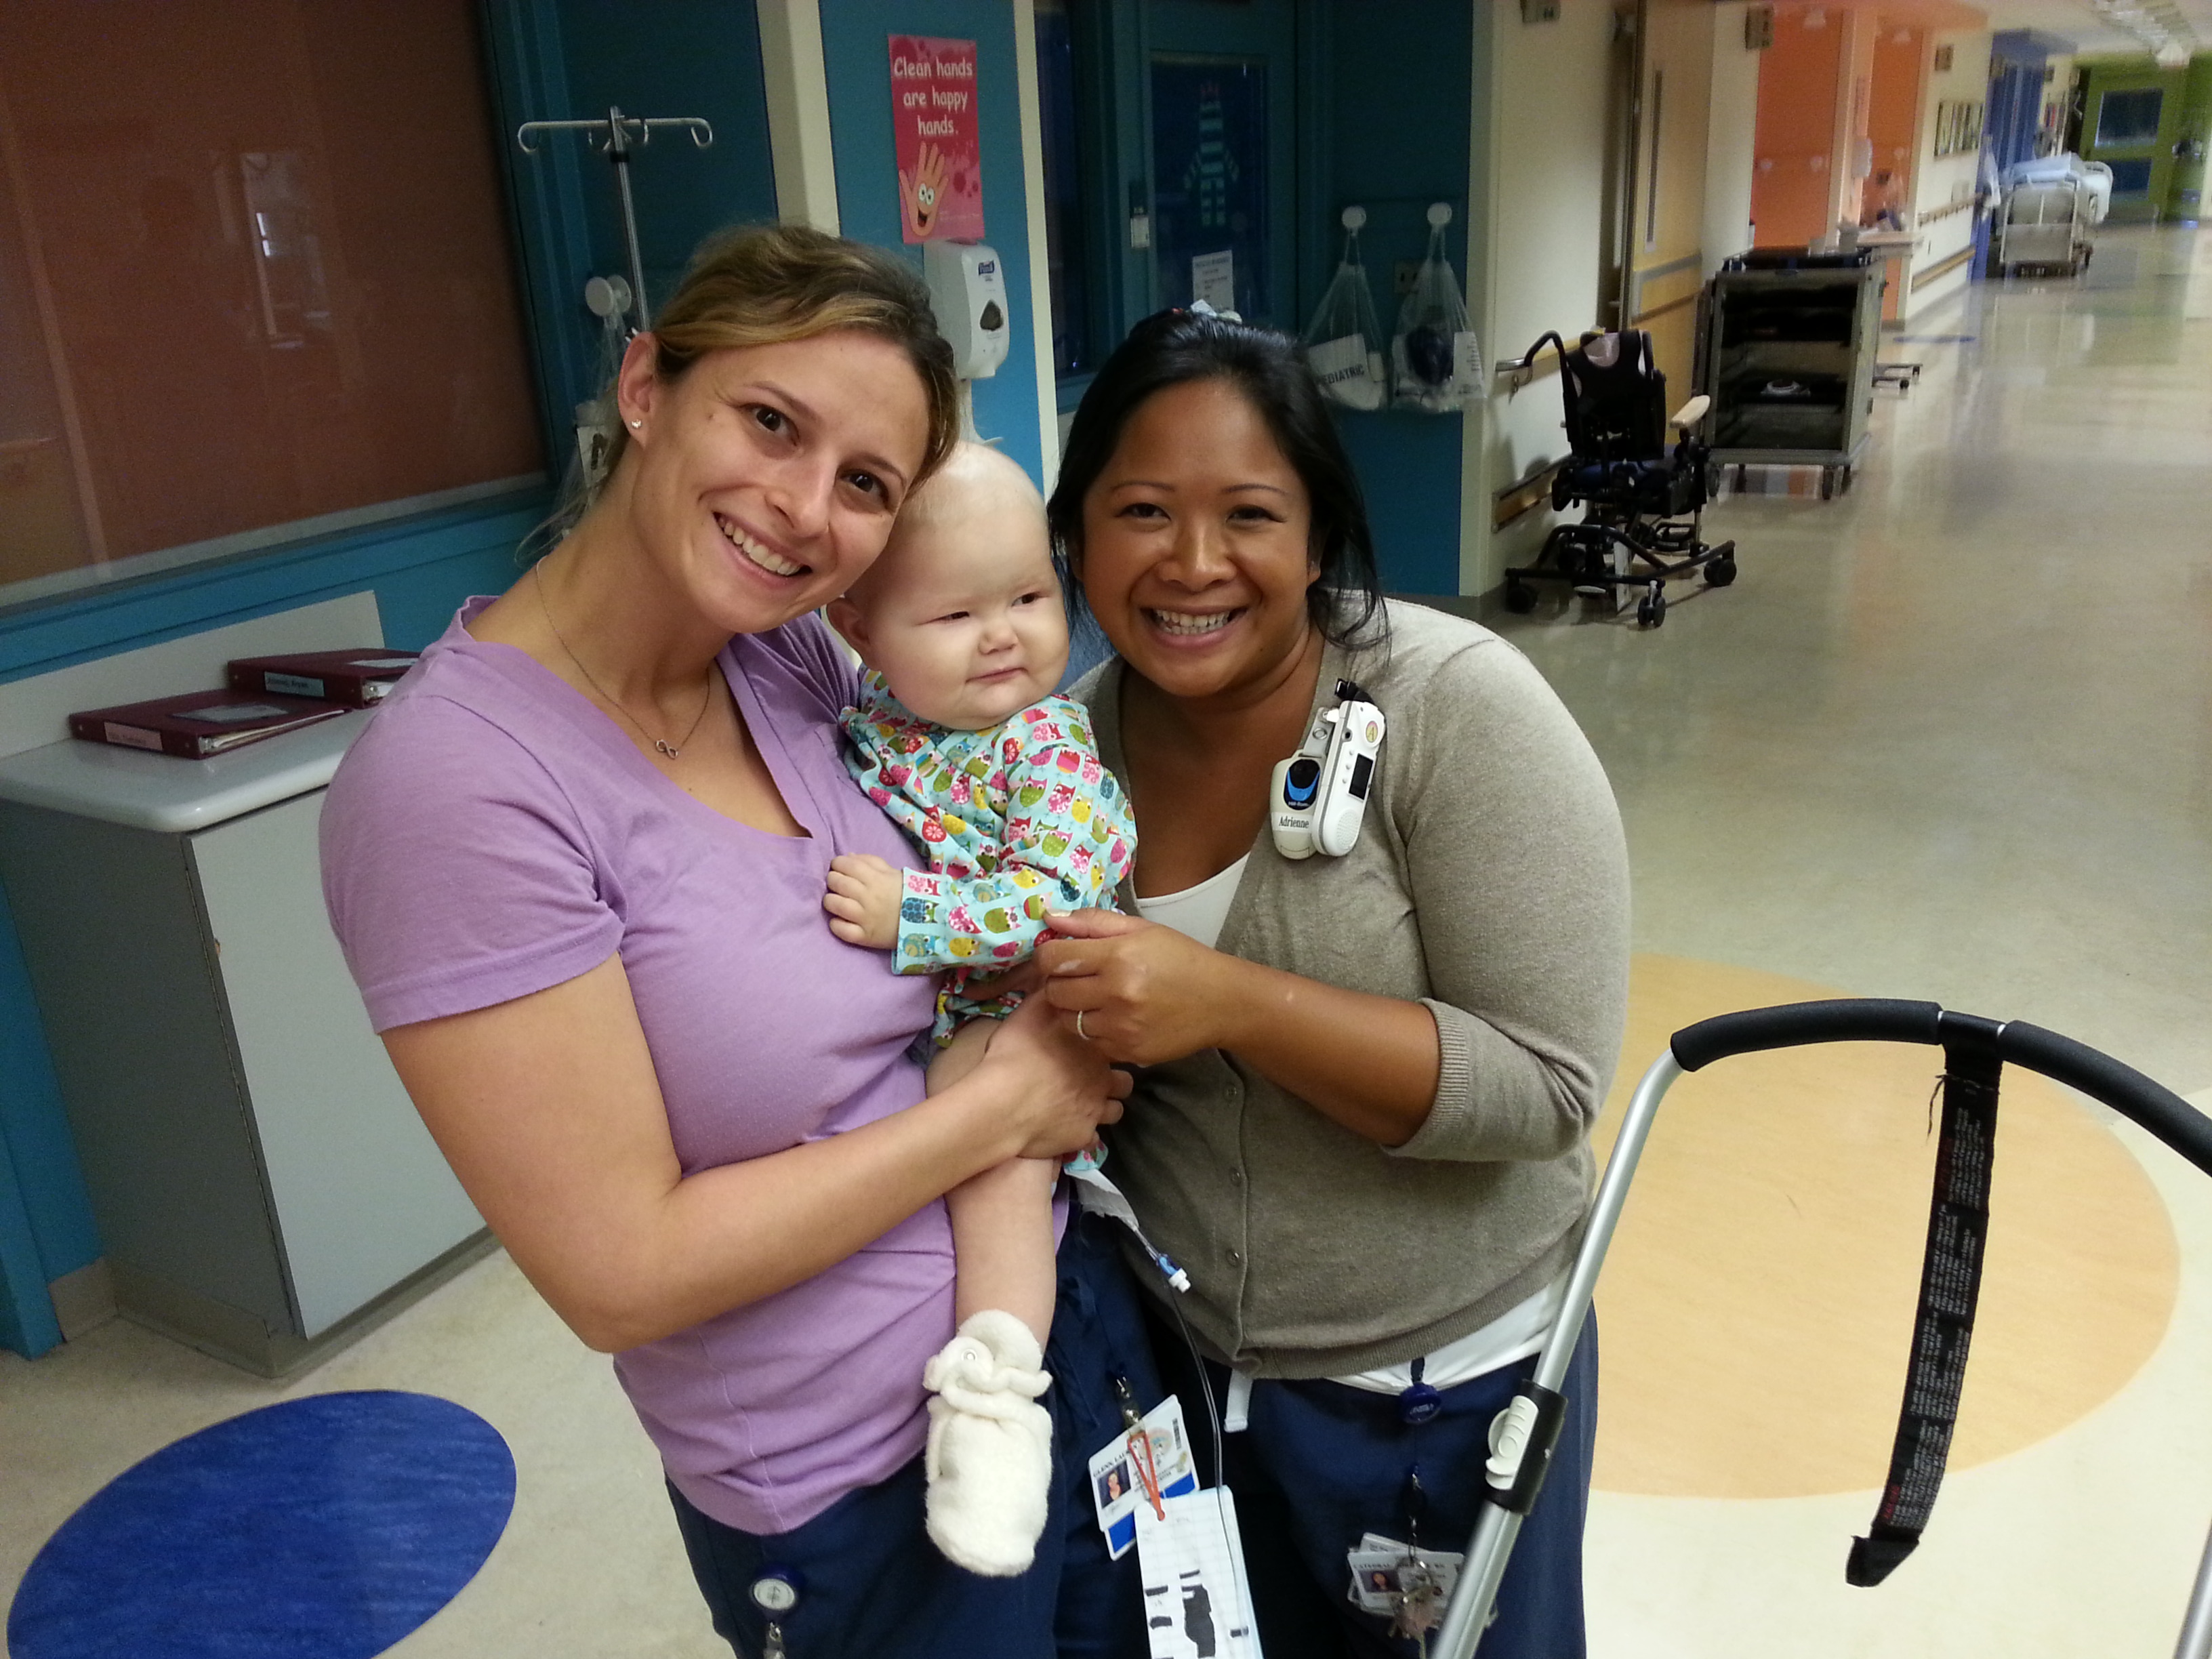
[1491,882]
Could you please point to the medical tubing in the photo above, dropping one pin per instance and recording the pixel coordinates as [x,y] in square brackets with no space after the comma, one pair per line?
[1874,1019]
[1206,1386]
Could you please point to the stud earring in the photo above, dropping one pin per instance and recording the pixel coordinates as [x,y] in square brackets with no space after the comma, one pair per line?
[637,422]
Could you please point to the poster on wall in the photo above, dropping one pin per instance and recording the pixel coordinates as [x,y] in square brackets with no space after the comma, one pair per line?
[940,169]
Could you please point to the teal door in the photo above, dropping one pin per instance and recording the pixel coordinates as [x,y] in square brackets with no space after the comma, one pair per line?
[1174,130]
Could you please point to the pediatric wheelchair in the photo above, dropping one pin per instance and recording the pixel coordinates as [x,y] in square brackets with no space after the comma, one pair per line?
[1642,502]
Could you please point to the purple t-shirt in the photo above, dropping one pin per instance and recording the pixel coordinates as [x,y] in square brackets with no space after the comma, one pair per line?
[493,834]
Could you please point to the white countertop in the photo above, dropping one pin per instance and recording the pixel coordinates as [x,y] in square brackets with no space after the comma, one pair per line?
[165,793]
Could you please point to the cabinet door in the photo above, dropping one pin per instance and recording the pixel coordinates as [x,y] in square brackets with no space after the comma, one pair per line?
[362,1195]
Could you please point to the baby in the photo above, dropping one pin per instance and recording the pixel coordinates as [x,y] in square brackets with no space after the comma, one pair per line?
[959,739]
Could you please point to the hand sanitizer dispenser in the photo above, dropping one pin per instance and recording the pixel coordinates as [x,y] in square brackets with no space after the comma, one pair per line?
[968,293]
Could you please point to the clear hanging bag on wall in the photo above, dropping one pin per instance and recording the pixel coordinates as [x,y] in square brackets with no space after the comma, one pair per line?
[1344,342]
[1435,361]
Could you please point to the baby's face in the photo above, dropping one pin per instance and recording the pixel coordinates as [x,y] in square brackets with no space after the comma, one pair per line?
[964,619]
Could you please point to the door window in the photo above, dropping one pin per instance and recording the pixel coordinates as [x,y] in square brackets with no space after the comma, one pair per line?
[2129,118]
[1169,147]
[1210,183]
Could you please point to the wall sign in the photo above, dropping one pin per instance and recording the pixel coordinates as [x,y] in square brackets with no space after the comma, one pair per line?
[940,172]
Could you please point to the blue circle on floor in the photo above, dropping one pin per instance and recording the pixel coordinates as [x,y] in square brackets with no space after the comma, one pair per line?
[328,1527]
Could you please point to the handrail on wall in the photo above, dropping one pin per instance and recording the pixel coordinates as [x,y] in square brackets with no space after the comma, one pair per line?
[1528,368]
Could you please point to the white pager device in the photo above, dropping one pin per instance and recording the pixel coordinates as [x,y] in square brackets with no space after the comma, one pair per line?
[1320,794]
[1296,790]
[1351,769]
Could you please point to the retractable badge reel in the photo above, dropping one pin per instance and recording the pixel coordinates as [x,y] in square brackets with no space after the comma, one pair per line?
[1320,797]
[776,1593]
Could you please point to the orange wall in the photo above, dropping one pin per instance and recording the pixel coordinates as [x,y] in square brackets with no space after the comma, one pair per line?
[1791,186]
[273,235]
[1894,116]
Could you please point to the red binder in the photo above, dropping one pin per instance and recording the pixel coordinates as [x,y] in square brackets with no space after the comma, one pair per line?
[358,678]
[198,724]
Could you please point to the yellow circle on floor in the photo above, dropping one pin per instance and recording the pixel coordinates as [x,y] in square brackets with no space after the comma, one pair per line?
[1758,1303]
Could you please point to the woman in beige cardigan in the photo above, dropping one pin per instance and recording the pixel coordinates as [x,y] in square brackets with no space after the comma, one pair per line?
[1367,1080]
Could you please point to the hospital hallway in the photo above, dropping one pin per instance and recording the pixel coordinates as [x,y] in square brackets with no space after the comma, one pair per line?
[1948,737]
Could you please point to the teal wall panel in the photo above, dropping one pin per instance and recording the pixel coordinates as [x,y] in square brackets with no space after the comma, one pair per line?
[47,1227]
[856,49]
[672,57]
[552,60]
[1397,107]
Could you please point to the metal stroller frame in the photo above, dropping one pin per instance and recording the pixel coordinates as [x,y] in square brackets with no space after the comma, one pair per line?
[1523,1436]
[1645,504]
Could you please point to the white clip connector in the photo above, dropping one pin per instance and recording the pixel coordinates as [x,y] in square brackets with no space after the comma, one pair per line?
[1508,1441]
[1236,1409]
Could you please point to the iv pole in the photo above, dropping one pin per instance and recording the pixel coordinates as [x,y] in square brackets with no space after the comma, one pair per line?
[617,130]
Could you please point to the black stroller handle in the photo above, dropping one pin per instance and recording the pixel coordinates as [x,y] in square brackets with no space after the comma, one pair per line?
[1788,1024]
[1876,1019]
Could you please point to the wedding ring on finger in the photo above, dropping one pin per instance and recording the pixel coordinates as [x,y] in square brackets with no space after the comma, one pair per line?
[1079,1031]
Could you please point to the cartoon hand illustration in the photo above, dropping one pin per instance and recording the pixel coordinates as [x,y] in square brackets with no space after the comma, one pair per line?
[922,193]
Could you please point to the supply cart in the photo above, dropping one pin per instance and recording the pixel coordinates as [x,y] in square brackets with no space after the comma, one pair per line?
[1975,1053]
[1786,343]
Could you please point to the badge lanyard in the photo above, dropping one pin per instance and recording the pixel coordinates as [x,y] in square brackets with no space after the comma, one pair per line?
[1140,1443]
[1418,1402]
[776,1593]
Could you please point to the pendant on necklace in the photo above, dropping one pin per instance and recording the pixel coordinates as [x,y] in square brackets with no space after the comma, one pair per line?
[666,748]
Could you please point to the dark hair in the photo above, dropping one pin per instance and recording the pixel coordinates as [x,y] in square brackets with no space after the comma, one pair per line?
[767,284]
[1269,368]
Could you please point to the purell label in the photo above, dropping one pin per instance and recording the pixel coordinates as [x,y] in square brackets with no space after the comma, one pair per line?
[297,685]
[132,736]
[1467,360]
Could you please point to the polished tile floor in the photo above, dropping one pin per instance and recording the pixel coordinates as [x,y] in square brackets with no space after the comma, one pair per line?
[1949,736]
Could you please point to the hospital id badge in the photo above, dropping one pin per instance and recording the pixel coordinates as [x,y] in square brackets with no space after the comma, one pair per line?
[1408,1586]
[1149,1461]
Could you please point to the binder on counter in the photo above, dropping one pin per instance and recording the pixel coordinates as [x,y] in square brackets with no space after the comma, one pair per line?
[198,724]
[359,679]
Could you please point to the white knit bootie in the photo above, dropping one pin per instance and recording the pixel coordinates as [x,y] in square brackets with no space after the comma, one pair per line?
[989,1456]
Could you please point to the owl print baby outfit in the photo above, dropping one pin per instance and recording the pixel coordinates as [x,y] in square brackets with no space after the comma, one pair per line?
[1016,820]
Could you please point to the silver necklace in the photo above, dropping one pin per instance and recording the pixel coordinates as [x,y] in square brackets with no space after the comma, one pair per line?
[670,749]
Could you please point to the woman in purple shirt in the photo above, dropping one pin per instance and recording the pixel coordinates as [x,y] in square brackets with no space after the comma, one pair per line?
[576,864]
